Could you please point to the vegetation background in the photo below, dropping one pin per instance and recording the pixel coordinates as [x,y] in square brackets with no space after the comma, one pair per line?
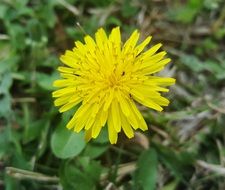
[185,145]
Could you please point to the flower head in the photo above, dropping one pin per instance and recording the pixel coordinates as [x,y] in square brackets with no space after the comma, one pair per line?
[107,78]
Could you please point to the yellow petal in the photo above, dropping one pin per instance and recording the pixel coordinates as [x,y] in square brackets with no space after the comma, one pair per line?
[90,42]
[101,38]
[151,51]
[89,123]
[70,59]
[108,100]
[154,59]
[111,131]
[81,121]
[62,83]
[126,127]
[115,114]
[80,47]
[141,46]
[103,117]
[161,101]
[88,135]
[151,104]
[62,100]
[71,123]
[161,81]
[115,36]
[134,108]
[131,42]
[96,128]
[79,124]
[156,67]
[142,124]
[70,104]
[145,101]
[63,92]
[82,109]
[144,91]
[132,119]
[95,109]
[123,104]
[66,70]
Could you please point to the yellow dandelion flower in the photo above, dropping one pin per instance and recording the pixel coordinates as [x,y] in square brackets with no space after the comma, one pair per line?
[107,78]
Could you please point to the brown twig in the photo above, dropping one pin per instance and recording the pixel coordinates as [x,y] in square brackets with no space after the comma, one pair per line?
[214,107]
[123,169]
[218,169]
[69,7]
[25,174]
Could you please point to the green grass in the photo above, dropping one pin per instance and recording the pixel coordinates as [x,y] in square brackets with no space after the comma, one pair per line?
[185,145]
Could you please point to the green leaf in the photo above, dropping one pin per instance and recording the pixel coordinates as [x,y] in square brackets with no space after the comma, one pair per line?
[47,11]
[145,176]
[45,81]
[66,143]
[216,69]
[113,21]
[197,65]
[11,183]
[212,5]
[81,173]
[171,186]
[192,62]
[179,163]
[3,11]
[5,82]
[103,136]
[5,105]
[3,143]
[5,98]
[101,3]
[128,9]
[186,13]
[33,131]
[95,150]
[17,36]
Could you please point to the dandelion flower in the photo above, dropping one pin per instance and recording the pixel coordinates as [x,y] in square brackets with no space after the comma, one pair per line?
[107,79]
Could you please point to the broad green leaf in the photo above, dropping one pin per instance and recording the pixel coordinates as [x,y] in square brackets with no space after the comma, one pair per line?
[145,176]
[93,150]
[66,143]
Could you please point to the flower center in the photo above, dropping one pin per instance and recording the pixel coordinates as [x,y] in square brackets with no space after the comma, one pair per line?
[113,81]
